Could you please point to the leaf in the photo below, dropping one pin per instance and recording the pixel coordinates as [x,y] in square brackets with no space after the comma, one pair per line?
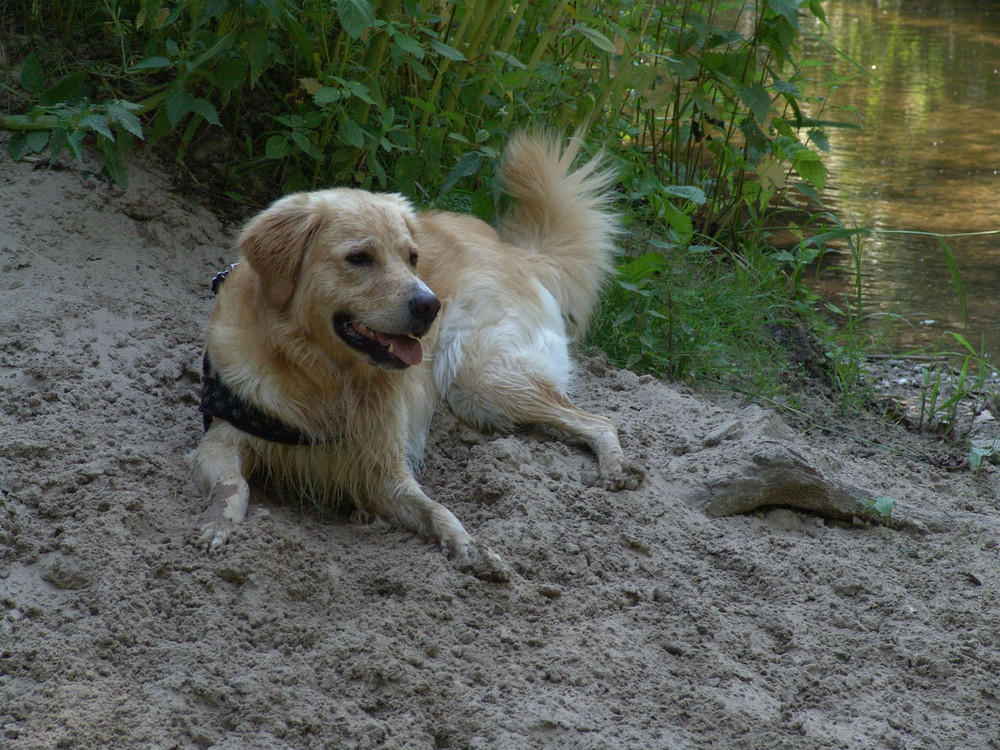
[810,168]
[599,40]
[273,7]
[255,47]
[788,9]
[99,124]
[276,147]
[757,100]
[17,146]
[446,50]
[409,45]
[327,95]
[819,138]
[74,141]
[114,165]
[351,134]
[206,109]
[643,267]
[426,106]
[883,506]
[157,62]
[679,221]
[65,89]
[120,114]
[36,140]
[467,166]
[31,74]
[361,91]
[305,145]
[687,192]
[176,103]
[355,16]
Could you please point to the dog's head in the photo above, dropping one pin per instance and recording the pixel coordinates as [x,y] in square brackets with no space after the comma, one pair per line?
[343,264]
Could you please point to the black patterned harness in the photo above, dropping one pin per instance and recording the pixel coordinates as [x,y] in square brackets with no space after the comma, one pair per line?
[219,401]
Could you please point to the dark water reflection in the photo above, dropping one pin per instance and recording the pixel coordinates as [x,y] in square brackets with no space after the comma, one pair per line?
[927,159]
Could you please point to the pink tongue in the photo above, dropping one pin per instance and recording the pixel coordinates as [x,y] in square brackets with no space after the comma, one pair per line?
[407,349]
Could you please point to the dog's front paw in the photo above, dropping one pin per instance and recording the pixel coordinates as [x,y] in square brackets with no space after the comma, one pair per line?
[621,474]
[480,561]
[214,534]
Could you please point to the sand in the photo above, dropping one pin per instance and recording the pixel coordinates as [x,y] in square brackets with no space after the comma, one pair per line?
[634,619]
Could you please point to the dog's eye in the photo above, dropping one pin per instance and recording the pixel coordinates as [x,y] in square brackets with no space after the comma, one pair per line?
[360,258]
[413,259]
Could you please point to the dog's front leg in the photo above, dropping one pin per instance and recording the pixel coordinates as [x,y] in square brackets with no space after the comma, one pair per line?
[218,468]
[404,503]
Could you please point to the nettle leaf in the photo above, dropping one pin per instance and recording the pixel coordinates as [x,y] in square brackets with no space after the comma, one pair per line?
[757,100]
[788,9]
[820,139]
[361,91]
[810,168]
[467,166]
[355,16]
[256,49]
[175,103]
[17,146]
[31,74]
[883,505]
[327,95]
[687,192]
[305,145]
[65,89]
[119,113]
[74,141]
[351,133]
[409,45]
[99,124]
[36,140]
[179,103]
[205,108]
[678,221]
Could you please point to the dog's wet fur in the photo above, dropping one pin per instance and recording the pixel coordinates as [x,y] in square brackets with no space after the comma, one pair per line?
[352,315]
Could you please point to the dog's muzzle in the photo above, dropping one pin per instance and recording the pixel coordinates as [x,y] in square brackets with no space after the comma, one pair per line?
[392,350]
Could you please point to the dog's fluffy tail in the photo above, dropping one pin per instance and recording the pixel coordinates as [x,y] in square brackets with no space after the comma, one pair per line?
[561,213]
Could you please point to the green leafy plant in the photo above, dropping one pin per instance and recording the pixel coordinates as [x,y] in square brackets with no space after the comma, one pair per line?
[881,507]
[64,116]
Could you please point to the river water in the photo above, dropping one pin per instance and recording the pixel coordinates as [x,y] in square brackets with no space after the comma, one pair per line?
[925,86]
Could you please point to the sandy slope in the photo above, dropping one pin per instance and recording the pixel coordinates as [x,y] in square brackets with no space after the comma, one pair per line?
[635,621]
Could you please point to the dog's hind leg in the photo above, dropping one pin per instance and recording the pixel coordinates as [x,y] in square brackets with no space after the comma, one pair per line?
[529,399]
[217,465]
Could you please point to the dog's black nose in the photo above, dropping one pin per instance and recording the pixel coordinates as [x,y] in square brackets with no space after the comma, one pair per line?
[424,307]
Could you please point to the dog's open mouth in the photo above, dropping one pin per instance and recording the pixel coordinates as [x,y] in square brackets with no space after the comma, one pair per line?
[390,350]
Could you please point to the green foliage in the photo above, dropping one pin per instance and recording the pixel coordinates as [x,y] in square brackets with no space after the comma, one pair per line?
[699,314]
[881,507]
[385,95]
[701,100]
[415,95]
[956,379]
[64,115]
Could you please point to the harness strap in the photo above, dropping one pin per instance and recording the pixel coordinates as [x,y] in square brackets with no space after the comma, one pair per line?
[218,401]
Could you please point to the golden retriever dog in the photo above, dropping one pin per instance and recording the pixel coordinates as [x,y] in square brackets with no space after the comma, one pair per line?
[352,315]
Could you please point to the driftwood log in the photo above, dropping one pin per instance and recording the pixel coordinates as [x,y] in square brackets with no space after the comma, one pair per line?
[779,476]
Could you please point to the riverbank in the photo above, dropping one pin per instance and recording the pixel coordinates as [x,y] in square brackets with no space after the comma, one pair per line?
[634,619]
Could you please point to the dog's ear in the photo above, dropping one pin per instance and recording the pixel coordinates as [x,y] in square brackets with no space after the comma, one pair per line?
[275,242]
